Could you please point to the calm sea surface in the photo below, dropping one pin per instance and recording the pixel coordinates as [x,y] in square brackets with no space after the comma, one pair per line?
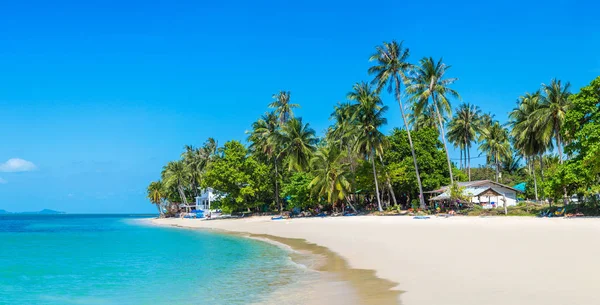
[118,259]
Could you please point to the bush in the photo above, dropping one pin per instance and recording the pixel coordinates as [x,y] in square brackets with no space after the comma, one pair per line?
[415,204]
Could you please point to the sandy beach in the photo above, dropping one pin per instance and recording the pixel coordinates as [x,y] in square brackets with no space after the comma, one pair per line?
[453,261]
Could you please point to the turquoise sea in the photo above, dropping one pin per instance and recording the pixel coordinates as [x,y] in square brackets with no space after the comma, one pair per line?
[119,259]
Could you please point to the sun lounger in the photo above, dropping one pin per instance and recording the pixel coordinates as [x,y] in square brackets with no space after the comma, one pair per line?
[277,218]
[421,217]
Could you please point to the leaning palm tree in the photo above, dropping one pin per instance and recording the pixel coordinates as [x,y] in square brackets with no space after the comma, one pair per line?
[156,194]
[298,142]
[283,107]
[263,144]
[429,87]
[331,171]
[390,69]
[175,175]
[494,142]
[369,116]
[463,130]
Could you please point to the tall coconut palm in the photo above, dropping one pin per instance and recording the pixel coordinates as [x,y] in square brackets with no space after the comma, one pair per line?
[463,130]
[551,116]
[263,143]
[429,87]
[369,116]
[298,142]
[494,142]
[425,120]
[156,194]
[283,107]
[343,132]
[175,175]
[525,133]
[390,70]
[331,171]
[551,113]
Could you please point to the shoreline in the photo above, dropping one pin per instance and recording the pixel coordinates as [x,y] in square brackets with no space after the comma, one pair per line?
[336,278]
[457,260]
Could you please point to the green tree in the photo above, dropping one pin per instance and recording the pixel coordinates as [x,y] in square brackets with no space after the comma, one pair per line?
[239,176]
[156,194]
[264,143]
[463,130]
[551,116]
[298,191]
[552,111]
[429,87]
[525,132]
[330,175]
[369,115]
[494,142]
[582,127]
[298,142]
[283,107]
[177,175]
[430,155]
[389,70]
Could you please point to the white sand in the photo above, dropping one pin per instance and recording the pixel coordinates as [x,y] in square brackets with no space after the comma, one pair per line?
[460,260]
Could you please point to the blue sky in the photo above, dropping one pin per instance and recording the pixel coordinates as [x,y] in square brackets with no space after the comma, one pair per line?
[98,95]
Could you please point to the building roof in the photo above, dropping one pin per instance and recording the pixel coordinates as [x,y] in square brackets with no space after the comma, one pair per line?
[470,192]
[475,184]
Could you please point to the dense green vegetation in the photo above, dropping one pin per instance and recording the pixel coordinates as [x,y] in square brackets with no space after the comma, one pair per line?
[355,166]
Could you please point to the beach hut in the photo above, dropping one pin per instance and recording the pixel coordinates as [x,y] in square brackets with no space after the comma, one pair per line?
[487,193]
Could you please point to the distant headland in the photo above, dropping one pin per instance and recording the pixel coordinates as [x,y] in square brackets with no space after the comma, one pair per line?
[42,212]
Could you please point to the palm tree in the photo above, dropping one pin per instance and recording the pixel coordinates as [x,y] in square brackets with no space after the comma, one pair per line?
[428,87]
[390,68]
[156,194]
[298,143]
[263,139]
[369,116]
[551,116]
[174,175]
[283,107]
[494,142]
[331,173]
[463,130]
[425,120]
[525,133]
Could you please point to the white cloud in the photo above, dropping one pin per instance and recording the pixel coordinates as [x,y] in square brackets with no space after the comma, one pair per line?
[2,181]
[17,165]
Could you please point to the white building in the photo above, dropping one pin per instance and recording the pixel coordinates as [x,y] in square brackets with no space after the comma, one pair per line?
[487,193]
[207,196]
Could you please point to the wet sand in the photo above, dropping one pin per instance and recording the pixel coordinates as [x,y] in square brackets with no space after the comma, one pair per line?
[460,260]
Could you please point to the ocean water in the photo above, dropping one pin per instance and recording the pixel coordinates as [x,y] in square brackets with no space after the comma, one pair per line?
[112,259]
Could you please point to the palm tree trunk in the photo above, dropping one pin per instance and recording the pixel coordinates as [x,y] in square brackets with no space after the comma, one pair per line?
[376,183]
[560,159]
[350,204]
[535,184]
[469,160]
[277,201]
[412,148]
[542,166]
[389,184]
[182,194]
[443,133]
[497,169]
